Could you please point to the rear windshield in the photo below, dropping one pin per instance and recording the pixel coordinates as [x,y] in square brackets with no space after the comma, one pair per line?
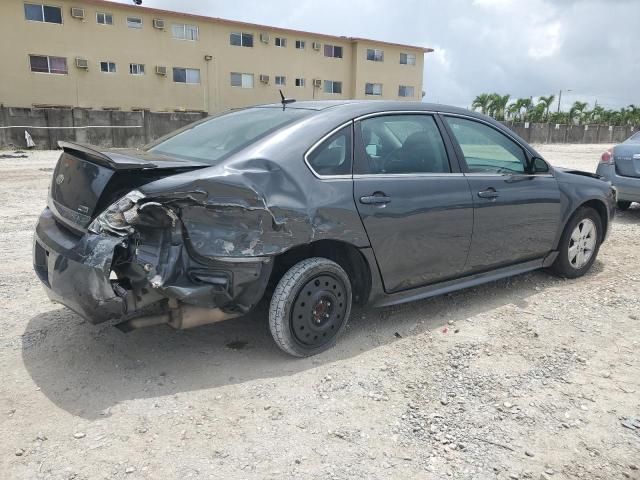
[214,139]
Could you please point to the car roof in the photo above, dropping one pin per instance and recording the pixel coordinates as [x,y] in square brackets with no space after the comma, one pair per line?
[371,106]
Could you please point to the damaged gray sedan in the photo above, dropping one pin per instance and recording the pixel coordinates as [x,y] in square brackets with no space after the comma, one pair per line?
[315,205]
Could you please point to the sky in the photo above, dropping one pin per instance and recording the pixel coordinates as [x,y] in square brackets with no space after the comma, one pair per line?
[525,48]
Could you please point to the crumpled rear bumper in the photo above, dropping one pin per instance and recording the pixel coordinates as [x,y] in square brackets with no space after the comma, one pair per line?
[106,277]
[75,270]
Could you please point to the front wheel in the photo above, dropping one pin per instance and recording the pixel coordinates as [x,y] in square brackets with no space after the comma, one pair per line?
[579,244]
[310,307]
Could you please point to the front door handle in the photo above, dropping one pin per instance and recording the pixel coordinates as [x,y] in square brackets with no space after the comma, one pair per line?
[375,199]
[489,193]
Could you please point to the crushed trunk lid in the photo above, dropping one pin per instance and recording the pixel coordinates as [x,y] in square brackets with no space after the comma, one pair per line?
[86,180]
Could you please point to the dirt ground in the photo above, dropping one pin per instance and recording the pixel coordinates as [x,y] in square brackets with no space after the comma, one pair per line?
[530,377]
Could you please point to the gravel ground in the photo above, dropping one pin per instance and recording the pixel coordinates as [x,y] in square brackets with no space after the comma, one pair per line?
[530,377]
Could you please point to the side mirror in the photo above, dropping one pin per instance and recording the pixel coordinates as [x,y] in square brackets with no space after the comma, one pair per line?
[538,165]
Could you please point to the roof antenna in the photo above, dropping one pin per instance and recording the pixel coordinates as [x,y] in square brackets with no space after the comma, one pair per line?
[286,101]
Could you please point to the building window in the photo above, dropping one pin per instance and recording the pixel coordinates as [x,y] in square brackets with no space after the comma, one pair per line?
[373,89]
[104,18]
[242,80]
[281,42]
[281,80]
[405,91]
[241,39]
[407,59]
[108,67]
[375,55]
[134,22]
[332,87]
[42,13]
[186,75]
[300,82]
[332,51]
[46,64]
[182,31]
[300,44]
[136,69]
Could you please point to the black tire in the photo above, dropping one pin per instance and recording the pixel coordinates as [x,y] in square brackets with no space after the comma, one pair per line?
[563,266]
[622,205]
[310,307]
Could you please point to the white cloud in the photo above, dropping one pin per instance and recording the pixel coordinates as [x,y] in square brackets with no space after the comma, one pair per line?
[545,40]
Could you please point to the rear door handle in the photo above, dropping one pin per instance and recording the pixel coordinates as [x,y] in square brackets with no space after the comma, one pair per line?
[375,199]
[489,193]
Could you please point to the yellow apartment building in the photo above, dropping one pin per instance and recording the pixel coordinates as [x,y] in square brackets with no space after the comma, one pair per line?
[105,55]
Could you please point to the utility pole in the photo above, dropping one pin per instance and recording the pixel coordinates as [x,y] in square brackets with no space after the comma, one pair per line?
[560,98]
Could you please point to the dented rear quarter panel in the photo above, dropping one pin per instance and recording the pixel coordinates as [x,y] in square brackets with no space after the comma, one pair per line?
[264,200]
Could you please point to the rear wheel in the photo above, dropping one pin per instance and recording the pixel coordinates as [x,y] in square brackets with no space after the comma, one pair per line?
[310,307]
[622,205]
[579,244]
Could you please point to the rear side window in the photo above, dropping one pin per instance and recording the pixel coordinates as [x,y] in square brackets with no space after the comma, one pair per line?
[485,149]
[216,138]
[402,144]
[333,156]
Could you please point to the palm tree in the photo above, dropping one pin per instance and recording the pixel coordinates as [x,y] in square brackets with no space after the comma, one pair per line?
[527,105]
[481,102]
[577,111]
[546,101]
[513,111]
[498,105]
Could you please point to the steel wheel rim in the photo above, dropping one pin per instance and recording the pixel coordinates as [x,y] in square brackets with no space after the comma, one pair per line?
[319,310]
[582,243]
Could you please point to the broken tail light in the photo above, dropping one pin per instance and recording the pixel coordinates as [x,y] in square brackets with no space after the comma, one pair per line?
[117,218]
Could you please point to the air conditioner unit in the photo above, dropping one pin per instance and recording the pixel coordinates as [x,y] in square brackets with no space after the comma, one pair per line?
[316,46]
[160,70]
[264,78]
[264,37]
[77,12]
[82,63]
[158,23]
[317,82]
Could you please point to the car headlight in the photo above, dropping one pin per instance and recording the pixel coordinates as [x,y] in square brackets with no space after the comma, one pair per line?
[117,218]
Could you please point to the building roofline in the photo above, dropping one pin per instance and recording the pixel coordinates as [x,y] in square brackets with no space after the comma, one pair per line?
[204,18]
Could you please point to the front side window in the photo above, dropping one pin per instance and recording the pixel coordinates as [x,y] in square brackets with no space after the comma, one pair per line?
[373,89]
[242,80]
[134,22]
[241,39]
[333,156]
[104,18]
[281,80]
[375,55]
[214,139]
[136,69]
[402,144]
[108,67]
[181,31]
[332,51]
[407,59]
[406,91]
[48,64]
[331,86]
[300,44]
[485,149]
[37,12]
[186,75]
[281,42]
